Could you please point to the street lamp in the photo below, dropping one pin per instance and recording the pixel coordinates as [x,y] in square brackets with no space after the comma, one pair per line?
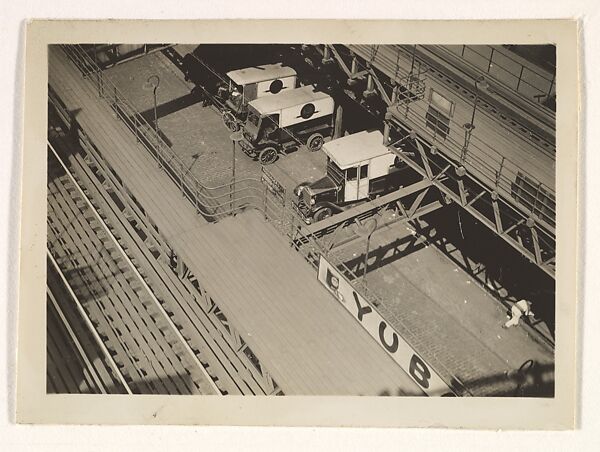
[154,82]
[365,229]
[484,84]
[234,137]
[470,126]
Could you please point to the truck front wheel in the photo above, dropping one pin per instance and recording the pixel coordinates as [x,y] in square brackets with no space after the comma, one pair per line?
[322,213]
[315,142]
[230,121]
[268,155]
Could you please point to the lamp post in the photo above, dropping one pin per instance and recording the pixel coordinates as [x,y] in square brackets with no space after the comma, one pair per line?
[154,82]
[484,84]
[470,126]
[365,229]
[234,137]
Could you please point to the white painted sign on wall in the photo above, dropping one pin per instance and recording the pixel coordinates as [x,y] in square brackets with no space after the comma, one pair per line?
[415,366]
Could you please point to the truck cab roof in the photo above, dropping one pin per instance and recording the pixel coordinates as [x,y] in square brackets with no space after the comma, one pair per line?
[355,149]
[287,99]
[256,74]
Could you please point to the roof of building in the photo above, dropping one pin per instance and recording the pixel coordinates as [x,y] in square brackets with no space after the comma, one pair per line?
[352,149]
[257,74]
[272,104]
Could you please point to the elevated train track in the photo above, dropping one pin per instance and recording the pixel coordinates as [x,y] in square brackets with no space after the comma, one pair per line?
[144,341]
[413,210]
[315,367]
[77,359]
[180,297]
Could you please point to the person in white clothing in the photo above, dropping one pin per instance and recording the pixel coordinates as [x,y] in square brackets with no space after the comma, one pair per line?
[518,310]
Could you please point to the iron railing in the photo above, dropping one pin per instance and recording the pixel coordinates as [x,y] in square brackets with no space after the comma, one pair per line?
[213,202]
[495,170]
[219,201]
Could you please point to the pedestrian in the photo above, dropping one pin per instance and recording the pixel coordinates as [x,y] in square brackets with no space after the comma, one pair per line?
[518,310]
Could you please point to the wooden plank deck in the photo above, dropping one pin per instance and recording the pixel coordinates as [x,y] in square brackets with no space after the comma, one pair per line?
[305,339]
[313,346]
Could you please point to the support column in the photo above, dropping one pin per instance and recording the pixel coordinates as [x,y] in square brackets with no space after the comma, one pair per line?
[338,130]
[370,86]
[353,71]
[386,128]
[327,55]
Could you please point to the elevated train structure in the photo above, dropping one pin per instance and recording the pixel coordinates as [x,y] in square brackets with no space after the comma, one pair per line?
[479,149]
[115,299]
[480,133]
[246,342]
[264,316]
[107,55]
[77,359]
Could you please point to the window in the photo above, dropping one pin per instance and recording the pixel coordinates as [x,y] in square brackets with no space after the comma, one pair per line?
[273,119]
[364,171]
[270,124]
[250,92]
[351,174]
[438,114]
[438,122]
[253,116]
[441,104]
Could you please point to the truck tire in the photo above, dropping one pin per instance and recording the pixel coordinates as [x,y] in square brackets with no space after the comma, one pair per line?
[230,121]
[322,213]
[268,155]
[315,142]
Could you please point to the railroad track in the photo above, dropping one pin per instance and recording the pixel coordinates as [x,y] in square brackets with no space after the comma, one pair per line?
[182,299]
[142,339]
[77,360]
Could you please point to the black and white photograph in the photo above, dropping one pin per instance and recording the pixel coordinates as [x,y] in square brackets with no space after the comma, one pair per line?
[273,219]
[285,218]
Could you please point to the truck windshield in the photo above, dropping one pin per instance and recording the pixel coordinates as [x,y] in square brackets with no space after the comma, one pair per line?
[253,116]
[334,172]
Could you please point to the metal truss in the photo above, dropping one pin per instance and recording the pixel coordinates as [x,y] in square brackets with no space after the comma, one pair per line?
[522,230]
[408,204]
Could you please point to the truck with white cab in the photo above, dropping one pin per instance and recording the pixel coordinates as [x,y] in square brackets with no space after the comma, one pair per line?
[359,167]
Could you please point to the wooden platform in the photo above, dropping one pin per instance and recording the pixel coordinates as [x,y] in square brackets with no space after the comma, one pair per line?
[306,340]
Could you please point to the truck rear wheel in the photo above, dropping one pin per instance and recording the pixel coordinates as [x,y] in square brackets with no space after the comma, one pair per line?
[230,121]
[315,142]
[322,213]
[268,155]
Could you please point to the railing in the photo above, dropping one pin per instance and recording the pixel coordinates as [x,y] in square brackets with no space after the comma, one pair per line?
[311,248]
[494,62]
[479,158]
[213,202]
[217,202]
